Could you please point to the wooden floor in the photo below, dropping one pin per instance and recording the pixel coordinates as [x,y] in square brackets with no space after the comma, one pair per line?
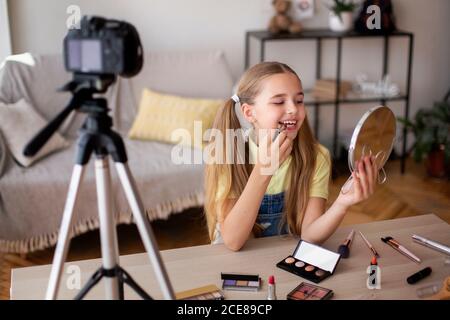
[402,195]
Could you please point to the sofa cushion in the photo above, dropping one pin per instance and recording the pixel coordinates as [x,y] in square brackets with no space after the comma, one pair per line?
[160,115]
[195,74]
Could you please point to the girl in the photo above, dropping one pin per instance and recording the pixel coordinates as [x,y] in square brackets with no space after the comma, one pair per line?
[245,199]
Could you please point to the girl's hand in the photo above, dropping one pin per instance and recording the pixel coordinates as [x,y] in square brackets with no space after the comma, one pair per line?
[363,184]
[272,154]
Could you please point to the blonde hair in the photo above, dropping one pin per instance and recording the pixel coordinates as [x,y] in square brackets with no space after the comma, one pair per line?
[235,176]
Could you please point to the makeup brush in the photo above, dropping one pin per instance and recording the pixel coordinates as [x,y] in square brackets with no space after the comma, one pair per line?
[344,248]
[369,245]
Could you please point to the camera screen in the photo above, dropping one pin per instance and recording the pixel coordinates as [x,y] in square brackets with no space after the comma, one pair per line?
[85,55]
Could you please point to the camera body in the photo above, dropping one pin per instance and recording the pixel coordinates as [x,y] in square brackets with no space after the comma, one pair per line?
[103,47]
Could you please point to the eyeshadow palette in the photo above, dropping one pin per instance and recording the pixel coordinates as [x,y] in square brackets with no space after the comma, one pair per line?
[240,282]
[307,291]
[311,262]
[210,292]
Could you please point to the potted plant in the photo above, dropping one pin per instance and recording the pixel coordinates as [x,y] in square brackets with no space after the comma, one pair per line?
[431,128]
[341,15]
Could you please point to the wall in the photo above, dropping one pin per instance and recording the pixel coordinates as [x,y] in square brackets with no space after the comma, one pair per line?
[39,26]
[5,40]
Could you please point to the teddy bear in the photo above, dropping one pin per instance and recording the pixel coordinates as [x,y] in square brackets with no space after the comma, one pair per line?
[281,22]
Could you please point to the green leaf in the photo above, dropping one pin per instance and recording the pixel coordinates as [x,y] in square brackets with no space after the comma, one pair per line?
[431,127]
[442,134]
[447,153]
[428,136]
[341,6]
[406,122]
[418,154]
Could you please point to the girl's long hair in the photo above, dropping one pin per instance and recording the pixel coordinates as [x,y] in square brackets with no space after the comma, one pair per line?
[234,176]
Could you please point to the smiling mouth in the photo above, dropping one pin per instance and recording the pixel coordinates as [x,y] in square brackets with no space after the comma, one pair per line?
[288,125]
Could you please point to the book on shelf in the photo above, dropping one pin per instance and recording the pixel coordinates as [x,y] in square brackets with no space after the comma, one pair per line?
[326,88]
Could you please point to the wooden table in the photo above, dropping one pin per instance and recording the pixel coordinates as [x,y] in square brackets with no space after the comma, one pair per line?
[198,266]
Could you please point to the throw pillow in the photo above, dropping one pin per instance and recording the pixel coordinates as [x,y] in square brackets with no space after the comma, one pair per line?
[160,115]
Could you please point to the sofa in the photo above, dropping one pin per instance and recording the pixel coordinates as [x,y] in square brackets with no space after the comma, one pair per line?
[32,199]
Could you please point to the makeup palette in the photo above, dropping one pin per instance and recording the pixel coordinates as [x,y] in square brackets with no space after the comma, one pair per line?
[240,282]
[210,292]
[307,291]
[311,262]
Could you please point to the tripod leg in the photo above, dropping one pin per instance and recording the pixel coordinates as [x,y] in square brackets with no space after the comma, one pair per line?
[126,278]
[108,236]
[121,289]
[96,277]
[64,233]
[120,280]
[144,228]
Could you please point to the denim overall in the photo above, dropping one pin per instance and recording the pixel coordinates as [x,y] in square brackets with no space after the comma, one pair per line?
[270,213]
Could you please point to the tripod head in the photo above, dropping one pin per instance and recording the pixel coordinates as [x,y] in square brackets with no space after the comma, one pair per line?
[83,87]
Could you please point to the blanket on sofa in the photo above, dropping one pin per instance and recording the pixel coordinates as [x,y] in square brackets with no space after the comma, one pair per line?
[32,199]
[3,152]
[31,208]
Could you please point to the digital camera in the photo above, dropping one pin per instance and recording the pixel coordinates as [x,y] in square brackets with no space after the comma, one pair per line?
[103,47]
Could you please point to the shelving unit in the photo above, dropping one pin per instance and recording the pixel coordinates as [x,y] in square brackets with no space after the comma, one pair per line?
[320,34]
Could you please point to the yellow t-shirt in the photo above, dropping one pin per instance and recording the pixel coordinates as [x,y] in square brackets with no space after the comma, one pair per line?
[279,181]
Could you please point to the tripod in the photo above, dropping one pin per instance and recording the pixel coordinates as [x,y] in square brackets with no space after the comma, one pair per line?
[97,137]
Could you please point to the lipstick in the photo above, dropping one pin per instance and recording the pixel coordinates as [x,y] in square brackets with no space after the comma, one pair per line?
[271,295]
[419,275]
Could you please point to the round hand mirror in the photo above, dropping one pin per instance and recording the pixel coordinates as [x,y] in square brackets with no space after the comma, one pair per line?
[373,135]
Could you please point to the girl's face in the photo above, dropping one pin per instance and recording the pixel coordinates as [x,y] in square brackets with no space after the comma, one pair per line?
[279,104]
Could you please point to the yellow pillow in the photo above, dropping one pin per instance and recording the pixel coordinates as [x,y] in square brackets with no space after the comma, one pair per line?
[160,115]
